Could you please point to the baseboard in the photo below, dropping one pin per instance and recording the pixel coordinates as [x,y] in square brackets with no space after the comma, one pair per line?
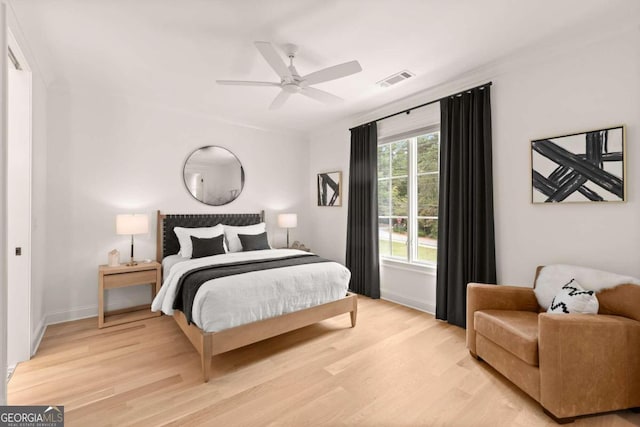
[408,302]
[37,336]
[73,314]
[114,303]
[10,370]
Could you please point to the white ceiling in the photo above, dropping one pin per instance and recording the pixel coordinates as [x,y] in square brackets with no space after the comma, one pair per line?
[170,52]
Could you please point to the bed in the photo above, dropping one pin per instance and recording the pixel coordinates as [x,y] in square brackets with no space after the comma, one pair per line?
[213,330]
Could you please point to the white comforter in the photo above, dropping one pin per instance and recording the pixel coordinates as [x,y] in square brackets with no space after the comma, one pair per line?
[244,298]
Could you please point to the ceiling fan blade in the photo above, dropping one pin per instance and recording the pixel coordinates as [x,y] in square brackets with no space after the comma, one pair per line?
[274,59]
[320,95]
[245,83]
[280,100]
[332,73]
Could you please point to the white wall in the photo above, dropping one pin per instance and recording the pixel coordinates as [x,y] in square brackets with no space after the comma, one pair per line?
[582,84]
[3,203]
[110,155]
[328,152]
[39,211]
[589,87]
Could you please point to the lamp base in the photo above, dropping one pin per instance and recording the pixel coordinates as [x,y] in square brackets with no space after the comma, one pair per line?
[132,262]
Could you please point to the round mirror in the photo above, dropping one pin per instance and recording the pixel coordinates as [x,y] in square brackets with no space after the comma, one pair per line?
[213,175]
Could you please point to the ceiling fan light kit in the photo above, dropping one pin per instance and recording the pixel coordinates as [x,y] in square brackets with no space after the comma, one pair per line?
[290,80]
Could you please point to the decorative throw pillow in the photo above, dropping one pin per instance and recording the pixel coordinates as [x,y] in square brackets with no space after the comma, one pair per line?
[572,298]
[183,234]
[254,242]
[231,234]
[207,247]
[553,277]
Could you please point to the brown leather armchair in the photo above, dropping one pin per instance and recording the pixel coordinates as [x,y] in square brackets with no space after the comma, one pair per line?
[572,364]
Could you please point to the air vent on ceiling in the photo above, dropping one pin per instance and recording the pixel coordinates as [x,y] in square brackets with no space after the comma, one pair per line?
[395,78]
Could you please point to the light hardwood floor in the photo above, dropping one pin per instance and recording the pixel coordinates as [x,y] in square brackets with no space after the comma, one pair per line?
[398,367]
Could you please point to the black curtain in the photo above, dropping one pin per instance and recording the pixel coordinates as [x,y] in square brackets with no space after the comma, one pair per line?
[362,221]
[466,240]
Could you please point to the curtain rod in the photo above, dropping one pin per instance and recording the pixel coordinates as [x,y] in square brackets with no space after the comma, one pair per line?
[408,110]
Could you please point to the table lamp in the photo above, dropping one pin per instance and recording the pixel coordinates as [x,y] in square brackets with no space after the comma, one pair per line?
[132,224]
[287,220]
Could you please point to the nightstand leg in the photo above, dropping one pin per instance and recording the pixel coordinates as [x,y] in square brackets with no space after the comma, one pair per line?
[100,300]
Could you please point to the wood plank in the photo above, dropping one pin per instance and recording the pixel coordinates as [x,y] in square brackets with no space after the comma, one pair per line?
[119,280]
[399,367]
[123,268]
[118,317]
[210,343]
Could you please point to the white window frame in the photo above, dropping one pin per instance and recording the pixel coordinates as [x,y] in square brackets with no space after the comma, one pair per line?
[412,208]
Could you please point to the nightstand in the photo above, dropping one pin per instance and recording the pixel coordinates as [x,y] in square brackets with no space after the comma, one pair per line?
[123,276]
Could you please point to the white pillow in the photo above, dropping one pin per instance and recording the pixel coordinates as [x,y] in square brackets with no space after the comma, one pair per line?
[553,277]
[231,234]
[184,237]
[572,298]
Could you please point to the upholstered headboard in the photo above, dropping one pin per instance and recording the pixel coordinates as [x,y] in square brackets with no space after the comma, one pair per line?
[167,242]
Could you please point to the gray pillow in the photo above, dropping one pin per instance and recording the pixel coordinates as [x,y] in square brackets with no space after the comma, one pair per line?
[207,246]
[254,242]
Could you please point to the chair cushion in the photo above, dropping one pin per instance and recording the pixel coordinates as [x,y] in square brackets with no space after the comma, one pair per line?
[515,331]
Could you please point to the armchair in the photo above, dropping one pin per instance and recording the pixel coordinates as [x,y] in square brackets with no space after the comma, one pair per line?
[572,364]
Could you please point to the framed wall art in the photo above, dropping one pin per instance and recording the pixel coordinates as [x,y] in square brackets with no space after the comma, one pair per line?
[330,189]
[581,167]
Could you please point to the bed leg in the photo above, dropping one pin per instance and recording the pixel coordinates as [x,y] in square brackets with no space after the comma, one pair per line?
[354,313]
[205,358]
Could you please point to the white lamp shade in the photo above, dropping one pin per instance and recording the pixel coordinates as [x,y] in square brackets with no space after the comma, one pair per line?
[132,224]
[287,220]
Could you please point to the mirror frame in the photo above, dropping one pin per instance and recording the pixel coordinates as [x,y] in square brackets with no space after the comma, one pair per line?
[242,174]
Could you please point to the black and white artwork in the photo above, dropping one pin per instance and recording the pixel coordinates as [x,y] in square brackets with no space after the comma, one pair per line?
[582,167]
[329,189]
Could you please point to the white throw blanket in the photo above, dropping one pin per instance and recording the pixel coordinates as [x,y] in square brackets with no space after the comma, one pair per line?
[553,277]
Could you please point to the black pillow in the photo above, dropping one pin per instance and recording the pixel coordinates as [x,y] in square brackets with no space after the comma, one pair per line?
[254,242]
[207,247]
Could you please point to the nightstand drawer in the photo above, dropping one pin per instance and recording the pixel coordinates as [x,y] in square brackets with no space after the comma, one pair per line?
[129,279]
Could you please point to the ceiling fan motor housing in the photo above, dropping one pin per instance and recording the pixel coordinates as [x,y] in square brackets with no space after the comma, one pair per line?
[291,87]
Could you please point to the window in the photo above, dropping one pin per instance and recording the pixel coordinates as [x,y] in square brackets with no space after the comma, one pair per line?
[408,171]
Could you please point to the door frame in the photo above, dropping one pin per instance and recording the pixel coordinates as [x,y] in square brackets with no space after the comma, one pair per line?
[19,327]
[3,202]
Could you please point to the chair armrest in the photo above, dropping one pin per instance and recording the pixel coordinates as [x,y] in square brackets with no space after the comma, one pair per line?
[588,363]
[496,297]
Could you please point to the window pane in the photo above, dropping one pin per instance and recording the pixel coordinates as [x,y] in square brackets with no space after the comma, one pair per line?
[399,197]
[384,234]
[384,153]
[427,240]
[428,231]
[400,158]
[428,148]
[394,190]
[383,197]
[428,195]
[399,238]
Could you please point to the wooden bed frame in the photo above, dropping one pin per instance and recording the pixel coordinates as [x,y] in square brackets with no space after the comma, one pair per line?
[209,344]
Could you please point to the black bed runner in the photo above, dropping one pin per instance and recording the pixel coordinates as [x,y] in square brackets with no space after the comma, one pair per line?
[191,281]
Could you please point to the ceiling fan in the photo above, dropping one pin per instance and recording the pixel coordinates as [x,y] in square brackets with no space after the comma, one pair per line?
[291,82]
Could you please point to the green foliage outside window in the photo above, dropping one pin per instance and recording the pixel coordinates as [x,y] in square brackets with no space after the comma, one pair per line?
[393,195]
